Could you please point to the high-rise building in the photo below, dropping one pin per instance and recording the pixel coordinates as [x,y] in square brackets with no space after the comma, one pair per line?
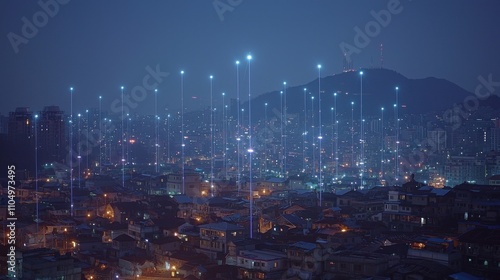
[51,135]
[437,139]
[4,124]
[459,169]
[20,125]
[233,107]
[495,136]
[20,139]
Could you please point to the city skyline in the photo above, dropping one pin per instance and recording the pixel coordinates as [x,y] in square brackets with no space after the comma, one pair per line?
[153,46]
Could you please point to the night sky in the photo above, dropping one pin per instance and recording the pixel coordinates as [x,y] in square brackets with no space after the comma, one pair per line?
[98,46]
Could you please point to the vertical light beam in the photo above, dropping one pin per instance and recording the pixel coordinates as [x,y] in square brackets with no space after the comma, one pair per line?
[320,137]
[250,149]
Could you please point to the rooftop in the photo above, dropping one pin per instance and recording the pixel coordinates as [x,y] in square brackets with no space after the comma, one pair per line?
[481,236]
[359,255]
[262,255]
[304,245]
[221,226]
[123,238]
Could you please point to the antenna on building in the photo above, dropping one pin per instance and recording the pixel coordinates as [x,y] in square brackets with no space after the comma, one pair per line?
[344,63]
[347,63]
[381,55]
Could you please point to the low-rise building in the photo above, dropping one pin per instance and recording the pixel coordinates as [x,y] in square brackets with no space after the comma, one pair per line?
[46,264]
[307,259]
[214,239]
[261,264]
[480,248]
[358,263]
[435,249]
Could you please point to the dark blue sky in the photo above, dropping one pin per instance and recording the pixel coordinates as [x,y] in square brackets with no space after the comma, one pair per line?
[97,46]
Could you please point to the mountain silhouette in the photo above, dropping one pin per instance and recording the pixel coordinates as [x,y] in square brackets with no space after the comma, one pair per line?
[416,96]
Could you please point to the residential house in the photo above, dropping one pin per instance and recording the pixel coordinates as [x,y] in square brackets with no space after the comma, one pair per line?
[163,245]
[122,212]
[358,264]
[138,229]
[46,263]
[480,248]
[192,184]
[135,265]
[112,230]
[234,248]
[270,185]
[435,249]
[214,239]
[261,264]
[123,245]
[307,259]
